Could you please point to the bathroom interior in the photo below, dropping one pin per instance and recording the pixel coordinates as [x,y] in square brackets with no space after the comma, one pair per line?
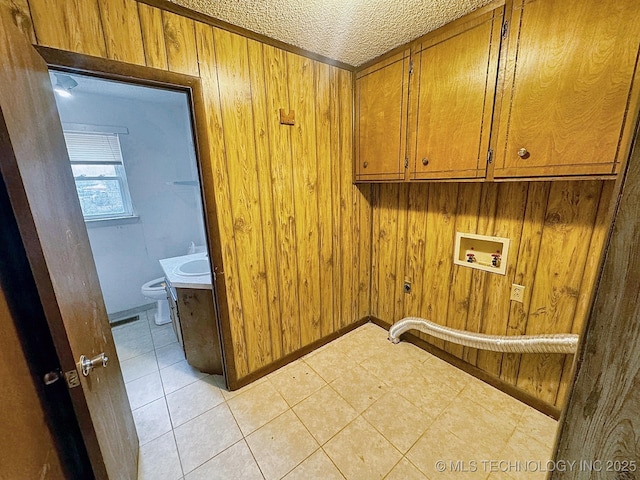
[251,289]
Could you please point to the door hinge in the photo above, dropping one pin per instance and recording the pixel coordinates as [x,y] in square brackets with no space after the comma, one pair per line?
[406,162]
[505,29]
[489,157]
[410,67]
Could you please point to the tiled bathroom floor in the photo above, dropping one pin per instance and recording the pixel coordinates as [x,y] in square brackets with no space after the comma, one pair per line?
[357,408]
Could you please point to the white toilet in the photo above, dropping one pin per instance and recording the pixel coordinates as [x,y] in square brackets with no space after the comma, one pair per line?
[155,290]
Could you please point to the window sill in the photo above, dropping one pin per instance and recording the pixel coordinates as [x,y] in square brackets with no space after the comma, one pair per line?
[112,222]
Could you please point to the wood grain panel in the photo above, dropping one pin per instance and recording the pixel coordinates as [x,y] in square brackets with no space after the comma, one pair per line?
[180,40]
[402,219]
[556,239]
[349,270]
[229,271]
[237,116]
[122,32]
[262,154]
[569,221]
[336,212]
[416,229]
[601,422]
[324,198]
[305,181]
[486,218]
[155,50]
[364,201]
[589,279]
[459,294]
[385,238]
[275,66]
[528,252]
[441,212]
[72,25]
[511,203]
[18,10]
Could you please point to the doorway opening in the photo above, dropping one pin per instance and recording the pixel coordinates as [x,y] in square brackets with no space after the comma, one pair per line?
[134,159]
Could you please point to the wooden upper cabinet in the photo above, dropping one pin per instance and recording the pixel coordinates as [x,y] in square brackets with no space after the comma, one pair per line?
[569,102]
[452,93]
[381,112]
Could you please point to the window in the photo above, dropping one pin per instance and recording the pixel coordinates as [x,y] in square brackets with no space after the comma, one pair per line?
[98,170]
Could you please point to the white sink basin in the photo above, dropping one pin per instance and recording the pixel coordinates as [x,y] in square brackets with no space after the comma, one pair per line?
[199,266]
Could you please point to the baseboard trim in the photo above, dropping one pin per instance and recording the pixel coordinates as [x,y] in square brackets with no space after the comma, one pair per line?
[131,312]
[543,407]
[272,367]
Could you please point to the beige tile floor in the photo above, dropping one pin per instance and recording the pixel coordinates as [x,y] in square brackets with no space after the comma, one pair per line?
[357,408]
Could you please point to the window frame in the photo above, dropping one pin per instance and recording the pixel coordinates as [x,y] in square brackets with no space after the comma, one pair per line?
[120,176]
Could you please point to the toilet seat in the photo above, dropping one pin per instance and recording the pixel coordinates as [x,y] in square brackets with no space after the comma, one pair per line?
[154,286]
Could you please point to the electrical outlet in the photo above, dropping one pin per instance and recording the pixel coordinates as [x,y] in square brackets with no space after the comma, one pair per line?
[517,292]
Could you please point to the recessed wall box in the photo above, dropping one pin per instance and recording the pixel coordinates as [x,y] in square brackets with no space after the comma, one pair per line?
[481,252]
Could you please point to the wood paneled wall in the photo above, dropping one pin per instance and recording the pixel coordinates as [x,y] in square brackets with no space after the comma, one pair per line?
[557,232]
[295,232]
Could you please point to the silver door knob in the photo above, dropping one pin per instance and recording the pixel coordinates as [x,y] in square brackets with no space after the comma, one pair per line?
[88,364]
[523,152]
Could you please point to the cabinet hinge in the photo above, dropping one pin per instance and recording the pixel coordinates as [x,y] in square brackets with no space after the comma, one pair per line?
[406,162]
[410,67]
[505,29]
[489,157]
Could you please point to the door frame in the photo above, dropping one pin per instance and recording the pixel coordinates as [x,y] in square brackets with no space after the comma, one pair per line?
[107,69]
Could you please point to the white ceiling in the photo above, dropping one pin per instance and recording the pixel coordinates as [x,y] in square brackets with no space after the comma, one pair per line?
[351,31]
[88,85]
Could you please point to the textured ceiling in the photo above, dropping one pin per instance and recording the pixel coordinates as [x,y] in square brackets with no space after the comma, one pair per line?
[351,31]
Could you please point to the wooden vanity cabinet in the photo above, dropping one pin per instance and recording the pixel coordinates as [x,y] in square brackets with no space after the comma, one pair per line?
[569,102]
[381,114]
[194,320]
[452,92]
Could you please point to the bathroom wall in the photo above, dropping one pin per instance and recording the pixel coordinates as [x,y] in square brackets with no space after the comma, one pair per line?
[557,231]
[158,150]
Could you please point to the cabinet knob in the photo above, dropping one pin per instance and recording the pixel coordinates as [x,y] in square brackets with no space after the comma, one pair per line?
[365,164]
[425,161]
[523,153]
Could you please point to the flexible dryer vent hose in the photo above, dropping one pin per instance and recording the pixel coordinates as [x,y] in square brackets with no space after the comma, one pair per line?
[560,343]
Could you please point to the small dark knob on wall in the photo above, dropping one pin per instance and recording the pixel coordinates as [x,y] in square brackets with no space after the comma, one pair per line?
[425,161]
[365,164]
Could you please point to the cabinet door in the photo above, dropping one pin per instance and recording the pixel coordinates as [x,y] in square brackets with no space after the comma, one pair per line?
[568,88]
[451,99]
[381,111]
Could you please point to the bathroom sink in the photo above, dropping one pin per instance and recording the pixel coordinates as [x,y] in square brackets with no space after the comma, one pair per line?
[199,266]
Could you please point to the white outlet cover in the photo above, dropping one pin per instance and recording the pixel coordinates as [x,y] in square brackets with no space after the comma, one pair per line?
[517,292]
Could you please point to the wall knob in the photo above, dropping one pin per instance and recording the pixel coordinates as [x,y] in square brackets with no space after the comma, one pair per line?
[425,161]
[365,164]
[523,153]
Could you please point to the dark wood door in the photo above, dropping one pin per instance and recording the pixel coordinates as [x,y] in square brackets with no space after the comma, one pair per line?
[35,169]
